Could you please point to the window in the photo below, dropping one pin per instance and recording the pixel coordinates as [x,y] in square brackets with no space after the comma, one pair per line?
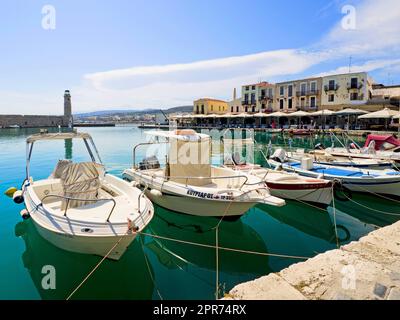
[237,108]
[263,93]
[253,88]
[270,92]
[245,109]
[281,90]
[290,90]
[212,108]
[253,109]
[302,102]
[313,102]
[290,103]
[303,89]
[246,88]
[263,106]
[202,108]
[246,98]
[281,104]
[253,98]
[331,98]
[313,87]
[354,96]
[331,85]
[232,109]
[197,109]
[354,83]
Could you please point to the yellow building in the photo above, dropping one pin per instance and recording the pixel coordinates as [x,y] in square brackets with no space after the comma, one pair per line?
[210,106]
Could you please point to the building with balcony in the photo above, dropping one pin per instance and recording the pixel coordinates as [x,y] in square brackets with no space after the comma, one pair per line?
[210,106]
[346,90]
[258,97]
[295,95]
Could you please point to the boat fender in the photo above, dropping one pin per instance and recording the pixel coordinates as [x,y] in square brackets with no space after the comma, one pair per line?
[10,192]
[25,214]
[341,192]
[155,193]
[346,231]
[18,197]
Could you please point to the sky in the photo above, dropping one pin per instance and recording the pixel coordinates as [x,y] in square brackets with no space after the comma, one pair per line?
[137,54]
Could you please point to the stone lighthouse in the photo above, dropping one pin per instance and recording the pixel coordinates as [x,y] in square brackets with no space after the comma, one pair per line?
[68,108]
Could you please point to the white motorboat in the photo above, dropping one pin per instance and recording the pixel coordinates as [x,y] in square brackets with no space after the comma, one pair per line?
[190,184]
[80,207]
[361,180]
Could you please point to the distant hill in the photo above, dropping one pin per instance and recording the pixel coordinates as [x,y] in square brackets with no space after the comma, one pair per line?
[182,109]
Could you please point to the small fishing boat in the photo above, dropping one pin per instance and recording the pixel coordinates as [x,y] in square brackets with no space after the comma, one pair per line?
[325,158]
[81,208]
[190,184]
[282,184]
[376,147]
[355,179]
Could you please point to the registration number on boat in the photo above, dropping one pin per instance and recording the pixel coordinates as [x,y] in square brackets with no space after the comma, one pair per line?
[206,195]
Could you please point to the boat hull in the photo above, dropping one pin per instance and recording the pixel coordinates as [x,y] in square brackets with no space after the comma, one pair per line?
[100,246]
[320,194]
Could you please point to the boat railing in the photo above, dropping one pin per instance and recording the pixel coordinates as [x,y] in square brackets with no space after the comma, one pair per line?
[78,199]
[144,144]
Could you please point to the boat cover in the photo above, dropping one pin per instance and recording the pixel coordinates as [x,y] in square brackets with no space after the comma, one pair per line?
[380,140]
[80,181]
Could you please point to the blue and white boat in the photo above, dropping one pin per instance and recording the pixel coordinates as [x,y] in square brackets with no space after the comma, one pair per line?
[355,179]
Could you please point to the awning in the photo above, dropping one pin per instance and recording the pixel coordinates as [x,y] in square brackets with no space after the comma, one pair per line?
[299,114]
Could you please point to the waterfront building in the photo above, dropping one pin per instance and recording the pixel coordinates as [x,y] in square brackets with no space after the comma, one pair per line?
[258,97]
[296,95]
[210,106]
[341,91]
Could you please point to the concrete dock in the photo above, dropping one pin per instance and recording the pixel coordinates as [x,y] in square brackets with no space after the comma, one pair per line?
[364,269]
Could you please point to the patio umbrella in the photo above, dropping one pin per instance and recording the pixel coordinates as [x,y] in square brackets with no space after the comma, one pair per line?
[277,114]
[349,112]
[323,114]
[385,113]
[299,114]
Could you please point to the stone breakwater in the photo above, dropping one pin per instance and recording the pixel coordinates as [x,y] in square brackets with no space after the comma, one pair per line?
[364,269]
[33,121]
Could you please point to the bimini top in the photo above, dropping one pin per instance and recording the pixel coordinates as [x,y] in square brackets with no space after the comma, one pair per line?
[382,141]
[58,136]
[185,135]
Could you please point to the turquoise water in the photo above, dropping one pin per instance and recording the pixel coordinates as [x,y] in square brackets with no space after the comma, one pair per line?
[154,268]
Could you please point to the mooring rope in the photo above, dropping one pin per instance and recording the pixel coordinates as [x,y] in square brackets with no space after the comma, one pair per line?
[334,215]
[372,209]
[96,267]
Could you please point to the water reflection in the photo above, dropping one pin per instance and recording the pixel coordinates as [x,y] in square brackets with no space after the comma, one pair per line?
[235,235]
[312,221]
[128,278]
[68,148]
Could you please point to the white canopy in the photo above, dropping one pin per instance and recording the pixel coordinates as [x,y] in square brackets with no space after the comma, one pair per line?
[278,114]
[184,134]
[299,114]
[324,112]
[58,136]
[260,114]
[350,111]
[385,113]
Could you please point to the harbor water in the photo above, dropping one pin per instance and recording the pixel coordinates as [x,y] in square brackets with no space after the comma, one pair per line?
[155,268]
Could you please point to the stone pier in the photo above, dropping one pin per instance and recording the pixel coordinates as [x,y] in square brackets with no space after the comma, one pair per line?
[364,269]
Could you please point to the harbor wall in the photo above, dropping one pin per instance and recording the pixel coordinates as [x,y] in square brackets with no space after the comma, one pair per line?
[31,121]
[365,269]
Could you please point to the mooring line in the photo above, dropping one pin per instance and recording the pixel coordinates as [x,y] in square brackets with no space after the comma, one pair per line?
[96,267]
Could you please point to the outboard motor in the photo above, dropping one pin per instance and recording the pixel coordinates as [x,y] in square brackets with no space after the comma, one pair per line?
[319,146]
[279,155]
[149,163]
